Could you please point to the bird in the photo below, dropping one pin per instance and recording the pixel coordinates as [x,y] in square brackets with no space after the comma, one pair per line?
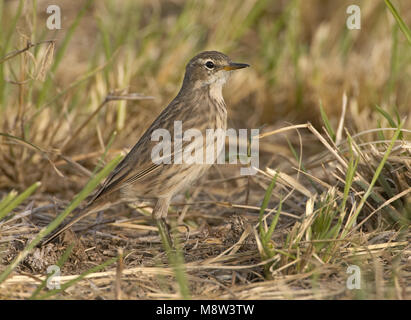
[198,105]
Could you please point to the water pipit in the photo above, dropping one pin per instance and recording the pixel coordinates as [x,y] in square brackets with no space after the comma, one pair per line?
[199,105]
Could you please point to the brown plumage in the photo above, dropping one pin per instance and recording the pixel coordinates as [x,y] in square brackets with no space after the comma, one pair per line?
[198,105]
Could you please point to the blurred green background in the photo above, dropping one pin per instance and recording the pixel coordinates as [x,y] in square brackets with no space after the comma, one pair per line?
[301,53]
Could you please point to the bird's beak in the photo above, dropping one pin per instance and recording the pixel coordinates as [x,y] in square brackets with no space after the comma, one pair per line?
[234,66]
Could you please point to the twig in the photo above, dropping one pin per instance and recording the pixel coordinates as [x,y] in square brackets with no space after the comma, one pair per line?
[28,46]
[119,271]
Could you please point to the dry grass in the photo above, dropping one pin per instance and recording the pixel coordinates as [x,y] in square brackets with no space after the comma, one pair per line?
[327,195]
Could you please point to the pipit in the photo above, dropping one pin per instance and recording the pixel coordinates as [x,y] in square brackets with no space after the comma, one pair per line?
[198,105]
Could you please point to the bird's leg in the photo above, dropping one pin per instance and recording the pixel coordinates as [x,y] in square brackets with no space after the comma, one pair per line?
[165,233]
[159,215]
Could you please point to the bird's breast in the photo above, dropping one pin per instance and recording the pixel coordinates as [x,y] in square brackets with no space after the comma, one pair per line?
[217,111]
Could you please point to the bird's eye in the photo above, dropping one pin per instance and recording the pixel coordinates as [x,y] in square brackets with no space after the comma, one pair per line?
[209,64]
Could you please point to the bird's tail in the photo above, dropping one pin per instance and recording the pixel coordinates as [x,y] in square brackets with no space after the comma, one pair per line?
[84,212]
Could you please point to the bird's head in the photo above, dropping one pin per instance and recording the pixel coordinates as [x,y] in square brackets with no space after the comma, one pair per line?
[210,68]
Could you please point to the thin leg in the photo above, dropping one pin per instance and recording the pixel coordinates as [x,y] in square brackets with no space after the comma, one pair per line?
[164,231]
[159,215]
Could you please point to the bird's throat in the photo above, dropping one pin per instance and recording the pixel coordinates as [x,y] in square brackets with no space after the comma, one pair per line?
[216,90]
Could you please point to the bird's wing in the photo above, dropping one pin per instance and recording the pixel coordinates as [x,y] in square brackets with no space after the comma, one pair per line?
[138,164]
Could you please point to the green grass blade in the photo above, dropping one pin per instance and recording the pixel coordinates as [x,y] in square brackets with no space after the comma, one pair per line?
[387,116]
[390,120]
[6,200]
[380,133]
[176,259]
[12,28]
[352,167]
[374,179]
[327,123]
[91,185]
[80,277]
[273,223]
[264,205]
[60,264]
[404,28]
[19,199]
[69,35]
